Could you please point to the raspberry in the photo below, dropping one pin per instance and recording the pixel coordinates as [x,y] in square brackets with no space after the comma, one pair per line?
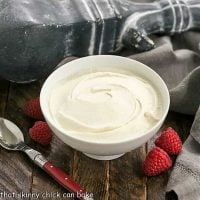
[32,109]
[41,133]
[156,162]
[170,142]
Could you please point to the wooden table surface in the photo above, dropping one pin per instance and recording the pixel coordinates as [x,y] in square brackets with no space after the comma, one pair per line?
[119,179]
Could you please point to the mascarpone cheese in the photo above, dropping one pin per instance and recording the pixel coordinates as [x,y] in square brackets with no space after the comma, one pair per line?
[105,104]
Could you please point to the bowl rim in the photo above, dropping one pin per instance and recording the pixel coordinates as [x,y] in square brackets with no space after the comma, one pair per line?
[71,136]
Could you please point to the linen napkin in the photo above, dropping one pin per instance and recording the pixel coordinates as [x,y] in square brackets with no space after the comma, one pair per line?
[177,60]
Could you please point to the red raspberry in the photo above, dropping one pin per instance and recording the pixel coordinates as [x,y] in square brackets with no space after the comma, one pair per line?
[169,141]
[41,133]
[156,162]
[32,109]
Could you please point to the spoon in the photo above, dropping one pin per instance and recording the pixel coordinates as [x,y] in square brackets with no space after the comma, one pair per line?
[11,138]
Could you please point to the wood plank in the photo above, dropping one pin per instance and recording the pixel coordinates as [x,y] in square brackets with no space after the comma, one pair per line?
[4,87]
[27,176]
[156,185]
[16,167]
[92,174]
[62,156]
[18,95]
[126,178]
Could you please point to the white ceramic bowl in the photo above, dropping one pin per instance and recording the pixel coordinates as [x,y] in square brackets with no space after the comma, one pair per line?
[103,150]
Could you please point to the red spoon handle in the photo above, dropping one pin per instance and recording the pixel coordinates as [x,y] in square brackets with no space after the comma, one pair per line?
[62,178]
[57,174]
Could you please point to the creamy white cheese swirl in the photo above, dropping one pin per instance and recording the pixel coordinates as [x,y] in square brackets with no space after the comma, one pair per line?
[103,103]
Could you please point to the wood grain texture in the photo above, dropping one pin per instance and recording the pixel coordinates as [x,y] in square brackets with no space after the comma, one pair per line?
[4,183]
[4,87]
[16,168]
[92,174]
[58,152]
[126,178]
[62,156]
